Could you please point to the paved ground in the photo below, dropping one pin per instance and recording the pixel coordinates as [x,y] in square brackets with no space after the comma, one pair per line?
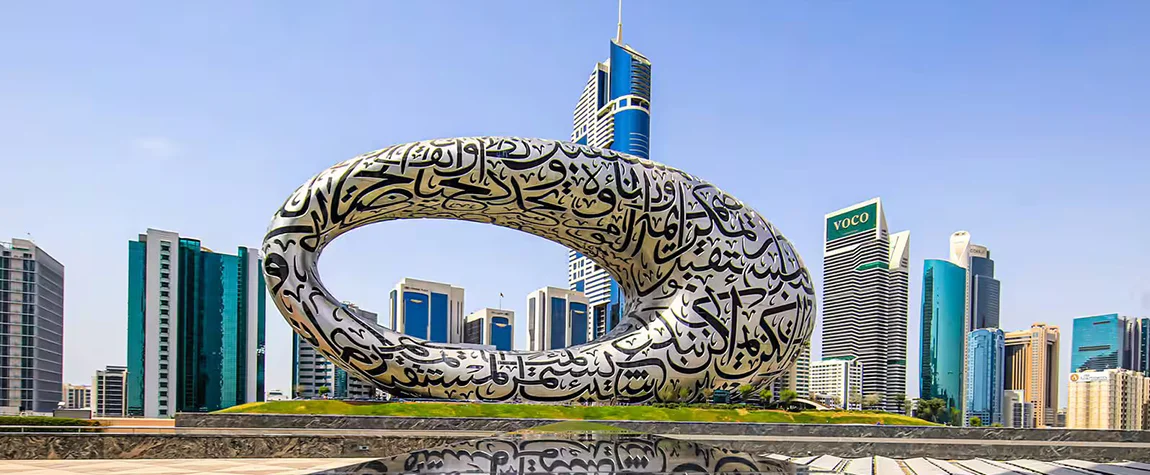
[176,466]
[908,440]
[928,466]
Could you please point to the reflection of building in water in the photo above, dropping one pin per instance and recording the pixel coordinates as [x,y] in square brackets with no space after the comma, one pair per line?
[312,371]
[556,318]
[427,310]
[491,327]
[598,453]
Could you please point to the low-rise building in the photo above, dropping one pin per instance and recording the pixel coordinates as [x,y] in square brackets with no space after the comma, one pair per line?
[556,318]
[77,396]
[1017,412]
[109,386]
[491,327]
[838,382]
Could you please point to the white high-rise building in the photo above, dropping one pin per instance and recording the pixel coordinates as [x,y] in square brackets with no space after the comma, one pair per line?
[432,311]
[556,318]
[312,371]
[866,291]
[838,381]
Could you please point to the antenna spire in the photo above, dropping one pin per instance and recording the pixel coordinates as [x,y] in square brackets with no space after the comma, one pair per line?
[619,32]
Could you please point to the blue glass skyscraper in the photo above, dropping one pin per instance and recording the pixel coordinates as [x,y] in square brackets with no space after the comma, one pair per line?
[986,349]
[614,112]
[943,317]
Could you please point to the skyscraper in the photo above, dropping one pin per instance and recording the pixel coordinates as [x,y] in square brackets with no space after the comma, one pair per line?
[865,297]
[984,369]
[556,318]
[429,310]
[490,327]
[1032,366]
[195,326]
[981,300]
[32,315]
[943,314]
[614,112]
[312,371]
[982,305]
[1107,342]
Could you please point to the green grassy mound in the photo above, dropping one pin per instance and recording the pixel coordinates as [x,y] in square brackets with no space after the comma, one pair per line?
[700,413]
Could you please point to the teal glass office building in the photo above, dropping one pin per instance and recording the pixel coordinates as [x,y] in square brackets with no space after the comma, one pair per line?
[943,319]
[986,349]
[195,326]
[1111,341]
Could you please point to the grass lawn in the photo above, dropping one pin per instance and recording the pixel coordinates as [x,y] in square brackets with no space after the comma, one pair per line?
[543,411]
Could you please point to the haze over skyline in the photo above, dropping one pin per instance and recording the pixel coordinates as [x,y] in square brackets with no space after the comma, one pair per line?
[1023,123]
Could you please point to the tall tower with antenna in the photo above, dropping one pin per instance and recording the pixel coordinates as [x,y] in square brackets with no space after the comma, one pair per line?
[614,111]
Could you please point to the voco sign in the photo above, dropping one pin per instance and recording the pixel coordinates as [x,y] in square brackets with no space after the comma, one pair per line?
[855,220]
[852,222]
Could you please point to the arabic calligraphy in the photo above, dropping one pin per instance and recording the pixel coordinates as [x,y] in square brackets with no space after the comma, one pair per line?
[715,296]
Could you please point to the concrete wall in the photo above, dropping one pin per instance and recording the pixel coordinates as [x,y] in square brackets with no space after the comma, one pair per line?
[15,446]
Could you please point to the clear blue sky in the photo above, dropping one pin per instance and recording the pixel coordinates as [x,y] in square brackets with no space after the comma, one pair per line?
[1026,123]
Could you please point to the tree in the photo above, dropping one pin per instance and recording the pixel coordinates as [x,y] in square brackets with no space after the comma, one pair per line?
[836,402]
[744,391]
[855,399]
[708,395]
[932,410]
[299,389]
[684,394]
[323,390]
[901,403]
[788,397]
[871,401]
[765,396]
[955,416]
[976,421]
